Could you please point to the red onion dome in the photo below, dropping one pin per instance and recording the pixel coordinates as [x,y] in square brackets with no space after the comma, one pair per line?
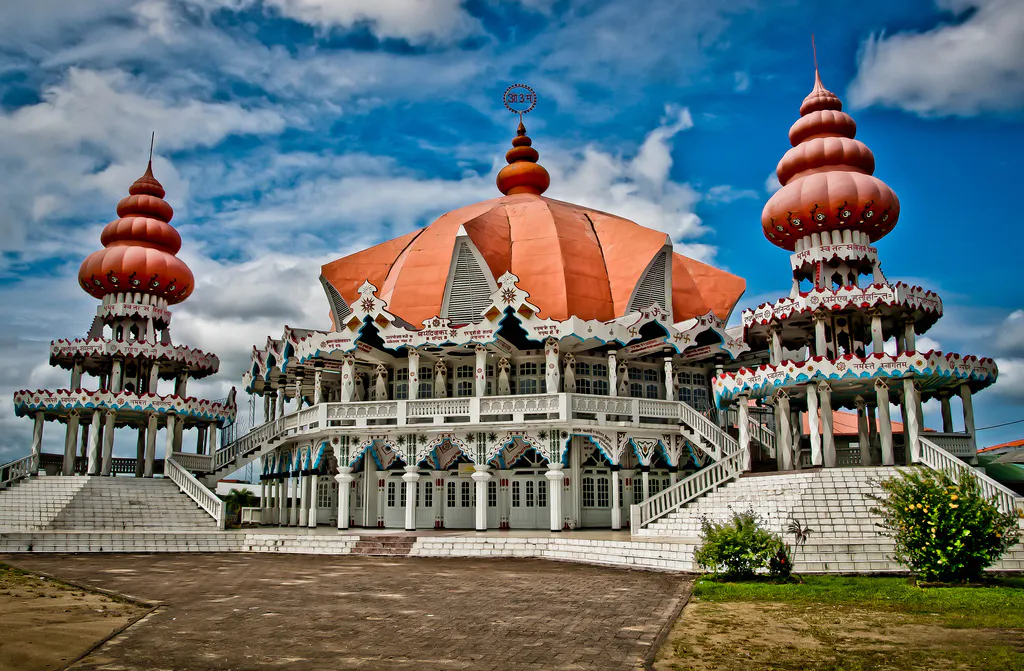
[827,178]
[139,249]
[522,174]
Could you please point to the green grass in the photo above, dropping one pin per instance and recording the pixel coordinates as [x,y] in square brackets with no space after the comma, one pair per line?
[999,605]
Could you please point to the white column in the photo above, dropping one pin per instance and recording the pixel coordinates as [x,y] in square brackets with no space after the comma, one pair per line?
[968,403]
[947,414]
[775,350]
[670,383]
[76,375]
[414,374]
[828,434]
[480,389]
[296,502]
[169,443]
[108,444]
[743,426]
[554,476]
[645,479]
[318,386]
[912,422]
[150,445]
[348,378]
[116,379]
[298,393]
[412,478]
[863,437]
[480,477]
[181,385]
[70,445]
[282,401]
[616,509]
[612,391]
[93,467]
[814,424]
[344,480]
[211,435]
[884,422]
[909,337]
[552,371]
[820,344]
[37,440]
[877,342]
[263,501]
[783,432]
[314,508]
[303,497]
[154,377]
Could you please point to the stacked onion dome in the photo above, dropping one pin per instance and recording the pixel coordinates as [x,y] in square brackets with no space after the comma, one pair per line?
[827,178]
[139,249]
[522,174]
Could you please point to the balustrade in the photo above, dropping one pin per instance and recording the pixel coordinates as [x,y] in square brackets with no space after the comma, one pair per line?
[938,459]
[198,492]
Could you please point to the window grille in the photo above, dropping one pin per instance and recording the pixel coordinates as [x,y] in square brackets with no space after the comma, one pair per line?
[391,495]
[492,494]
[451,494]
[588,492]
[515,493]
[602,493]
[542,493]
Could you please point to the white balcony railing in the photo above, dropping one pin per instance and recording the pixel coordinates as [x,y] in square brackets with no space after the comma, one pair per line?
[195,463]
[957,444]
[17,469]
[196,490]
[936,458]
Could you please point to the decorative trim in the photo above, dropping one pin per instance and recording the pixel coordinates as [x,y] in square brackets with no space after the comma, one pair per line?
[892,295]
[27,402]
[68,350]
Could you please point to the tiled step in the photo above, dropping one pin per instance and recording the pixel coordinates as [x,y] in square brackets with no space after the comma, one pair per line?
[386,546]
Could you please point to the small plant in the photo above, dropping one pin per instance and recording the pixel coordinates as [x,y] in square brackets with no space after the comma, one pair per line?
[739,547]
[944,530]
[800,534]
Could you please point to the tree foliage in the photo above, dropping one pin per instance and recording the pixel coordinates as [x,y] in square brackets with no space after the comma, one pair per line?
[740,547]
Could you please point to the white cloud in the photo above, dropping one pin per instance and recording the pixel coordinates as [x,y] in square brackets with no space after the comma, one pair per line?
[971,65]
[726,193]
[1010,384]
[772,183]
[741,81]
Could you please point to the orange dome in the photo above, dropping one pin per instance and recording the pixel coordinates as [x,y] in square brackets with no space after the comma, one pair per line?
[573,261]
[827,178]
[139,249]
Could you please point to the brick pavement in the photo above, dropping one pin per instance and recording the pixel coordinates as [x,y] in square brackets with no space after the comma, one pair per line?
[247,611]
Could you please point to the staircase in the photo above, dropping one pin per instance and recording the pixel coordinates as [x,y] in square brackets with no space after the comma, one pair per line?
[384,546]
[835,503]
[66,503]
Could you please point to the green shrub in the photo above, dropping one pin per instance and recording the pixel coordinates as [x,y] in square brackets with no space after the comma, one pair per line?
[944,531]
[740,547]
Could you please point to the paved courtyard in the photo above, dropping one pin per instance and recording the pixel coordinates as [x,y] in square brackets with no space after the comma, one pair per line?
[248,611]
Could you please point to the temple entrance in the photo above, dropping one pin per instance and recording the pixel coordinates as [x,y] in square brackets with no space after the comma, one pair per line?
[596,504]
[529,505]
[460,502]
[425,502]
[394,501]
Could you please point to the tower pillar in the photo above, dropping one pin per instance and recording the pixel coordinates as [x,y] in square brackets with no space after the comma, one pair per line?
[828,434]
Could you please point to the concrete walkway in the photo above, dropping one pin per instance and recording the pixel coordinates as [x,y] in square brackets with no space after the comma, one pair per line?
[232,611]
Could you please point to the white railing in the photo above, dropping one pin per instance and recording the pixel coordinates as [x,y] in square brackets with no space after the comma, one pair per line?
[17,469]
[194,463]
[251,516]
[758,431]
[938,459]
[722,444]
[957,444]
[198,492]
[703,481]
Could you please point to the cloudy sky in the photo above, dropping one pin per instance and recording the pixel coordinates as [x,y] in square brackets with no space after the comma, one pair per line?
[291,132]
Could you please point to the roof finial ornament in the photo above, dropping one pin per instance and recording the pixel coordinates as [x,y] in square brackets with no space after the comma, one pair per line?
[522,174]
[152,139]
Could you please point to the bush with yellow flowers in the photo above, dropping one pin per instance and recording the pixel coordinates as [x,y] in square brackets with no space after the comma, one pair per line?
[945,531]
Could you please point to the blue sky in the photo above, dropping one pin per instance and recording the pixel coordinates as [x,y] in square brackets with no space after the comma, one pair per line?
[291,132]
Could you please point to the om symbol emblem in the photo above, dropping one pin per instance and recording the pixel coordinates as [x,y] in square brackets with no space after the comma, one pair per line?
[519,99]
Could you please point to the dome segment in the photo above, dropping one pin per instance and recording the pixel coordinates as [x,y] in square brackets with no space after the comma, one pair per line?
[573,261]
[523,174]
[139,249]
[827,178]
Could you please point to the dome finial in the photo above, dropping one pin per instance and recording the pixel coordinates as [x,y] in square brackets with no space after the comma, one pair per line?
[522,174]
[148,184]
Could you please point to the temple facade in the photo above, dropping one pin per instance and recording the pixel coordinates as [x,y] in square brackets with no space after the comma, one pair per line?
[115,370]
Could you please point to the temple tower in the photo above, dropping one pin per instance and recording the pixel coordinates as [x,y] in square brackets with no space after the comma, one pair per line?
[845,337]
[127,351]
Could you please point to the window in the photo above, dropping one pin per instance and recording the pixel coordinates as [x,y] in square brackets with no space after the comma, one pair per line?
[492,494]
[588,492]
[515,493]
[582,368]
[463,372]
[402,488]
[542,493]
[600,387]
[685,378]
[391,494]
[620,494]
[451,494]
[600,370]
[426,385]
[400,384]
[602,493]
[528,368]
[527,386]
[529,493]
[464,388]
[401,391]
[636,390]
[428,494]
[359,494]
[685,395]
[467,494]
[635,373]
[651,375]
[325,493]
[583,385]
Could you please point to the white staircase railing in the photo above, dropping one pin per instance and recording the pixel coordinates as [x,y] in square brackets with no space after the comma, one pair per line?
[198,492]
[758,431]
[707,479]
[17,469]
[938,459]
[727,466]
[194,463]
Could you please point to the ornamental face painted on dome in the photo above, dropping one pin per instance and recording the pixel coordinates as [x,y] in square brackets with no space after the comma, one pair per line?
[139,249]
[827,178]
